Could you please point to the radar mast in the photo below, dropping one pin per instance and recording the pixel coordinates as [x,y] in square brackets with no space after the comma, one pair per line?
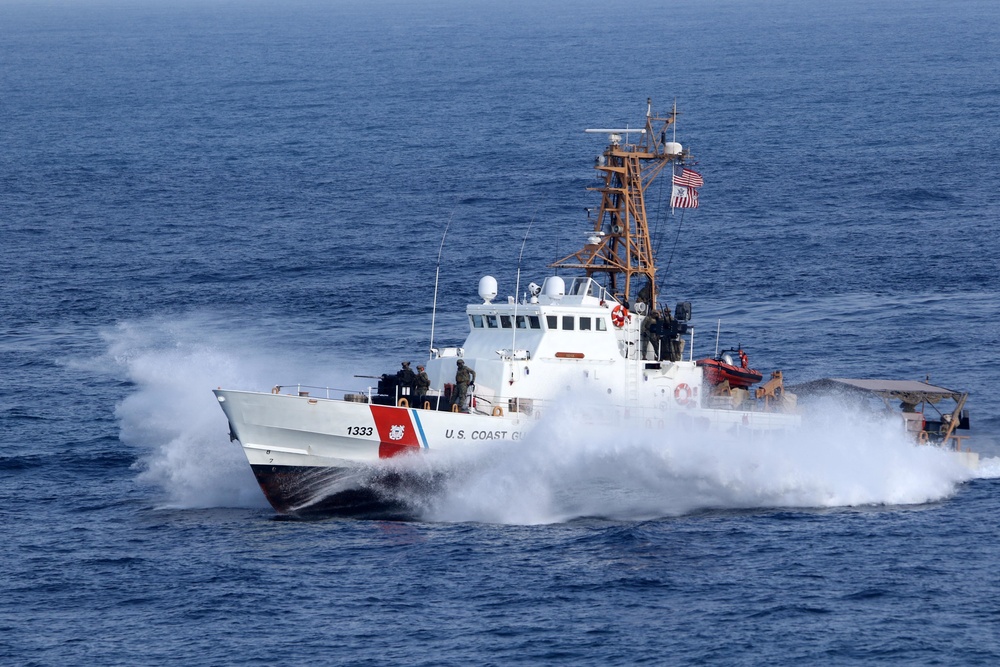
[619,245]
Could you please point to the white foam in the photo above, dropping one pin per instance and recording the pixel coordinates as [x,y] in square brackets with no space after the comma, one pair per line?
[567,468]
[172,418]
[989,467]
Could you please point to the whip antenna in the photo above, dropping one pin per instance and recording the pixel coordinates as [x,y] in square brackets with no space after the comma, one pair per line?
[437,274]
[517,287]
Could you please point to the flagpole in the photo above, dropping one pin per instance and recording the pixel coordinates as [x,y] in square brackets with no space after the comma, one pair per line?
[672,170]
[675,119]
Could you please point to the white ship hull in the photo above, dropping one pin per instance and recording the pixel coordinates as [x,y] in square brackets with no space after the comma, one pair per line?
[307,453]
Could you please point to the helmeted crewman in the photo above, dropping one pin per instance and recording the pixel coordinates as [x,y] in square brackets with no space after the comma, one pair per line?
[420,386]
[464,376]
[406,378]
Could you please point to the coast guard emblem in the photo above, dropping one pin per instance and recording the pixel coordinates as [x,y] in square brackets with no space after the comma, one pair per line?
[396,432]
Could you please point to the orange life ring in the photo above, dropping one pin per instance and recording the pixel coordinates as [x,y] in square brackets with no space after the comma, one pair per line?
[682,394]
[619,316]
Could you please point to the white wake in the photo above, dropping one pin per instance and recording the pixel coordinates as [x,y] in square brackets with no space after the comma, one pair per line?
[568,468]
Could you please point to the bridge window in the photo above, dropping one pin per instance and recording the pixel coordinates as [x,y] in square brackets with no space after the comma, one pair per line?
[477,321]
[602,324]
[552,321]
[584,324]
[584,287]
[505,321]
[528,322]
[567,323]
[491,322]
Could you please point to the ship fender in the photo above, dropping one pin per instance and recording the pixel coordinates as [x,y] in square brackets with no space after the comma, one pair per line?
[682,394]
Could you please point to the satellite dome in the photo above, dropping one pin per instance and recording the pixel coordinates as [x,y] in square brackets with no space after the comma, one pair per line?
[487,288]
[673,148]
[554,287]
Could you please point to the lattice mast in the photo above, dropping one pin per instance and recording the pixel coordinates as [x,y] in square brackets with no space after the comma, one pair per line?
[619,245]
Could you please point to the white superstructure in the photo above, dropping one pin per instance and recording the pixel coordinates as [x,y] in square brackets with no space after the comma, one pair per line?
[526,356]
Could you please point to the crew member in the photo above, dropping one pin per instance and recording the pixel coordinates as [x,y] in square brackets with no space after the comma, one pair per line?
[405,377]
[651,335]
[668,331]
[676,342]
[646,297]
[464,376]
[420,387]
[677,346]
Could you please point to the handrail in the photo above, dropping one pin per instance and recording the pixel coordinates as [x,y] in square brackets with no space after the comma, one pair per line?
[300,387]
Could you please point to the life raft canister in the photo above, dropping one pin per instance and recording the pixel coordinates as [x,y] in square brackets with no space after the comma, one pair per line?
[619,316]
[682,394]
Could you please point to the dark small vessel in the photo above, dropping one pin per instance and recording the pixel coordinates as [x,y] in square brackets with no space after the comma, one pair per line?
[732,366]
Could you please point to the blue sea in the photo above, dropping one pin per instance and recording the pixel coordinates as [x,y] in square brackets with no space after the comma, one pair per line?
[241,193]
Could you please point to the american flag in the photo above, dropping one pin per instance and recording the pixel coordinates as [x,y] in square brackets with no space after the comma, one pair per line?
[690,178]
[684,194]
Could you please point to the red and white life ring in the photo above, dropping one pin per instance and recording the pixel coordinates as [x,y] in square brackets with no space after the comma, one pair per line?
[619,316]
[682,394]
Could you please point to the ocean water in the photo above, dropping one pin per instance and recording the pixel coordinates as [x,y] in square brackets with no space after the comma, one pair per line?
[243,194]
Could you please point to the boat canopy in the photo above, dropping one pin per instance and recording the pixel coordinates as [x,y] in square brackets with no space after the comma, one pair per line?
[905,391]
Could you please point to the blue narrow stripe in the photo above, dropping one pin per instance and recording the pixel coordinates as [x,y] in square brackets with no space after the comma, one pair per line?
[420,428]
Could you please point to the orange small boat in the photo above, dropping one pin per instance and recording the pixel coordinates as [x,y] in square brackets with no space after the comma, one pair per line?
[724,368]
